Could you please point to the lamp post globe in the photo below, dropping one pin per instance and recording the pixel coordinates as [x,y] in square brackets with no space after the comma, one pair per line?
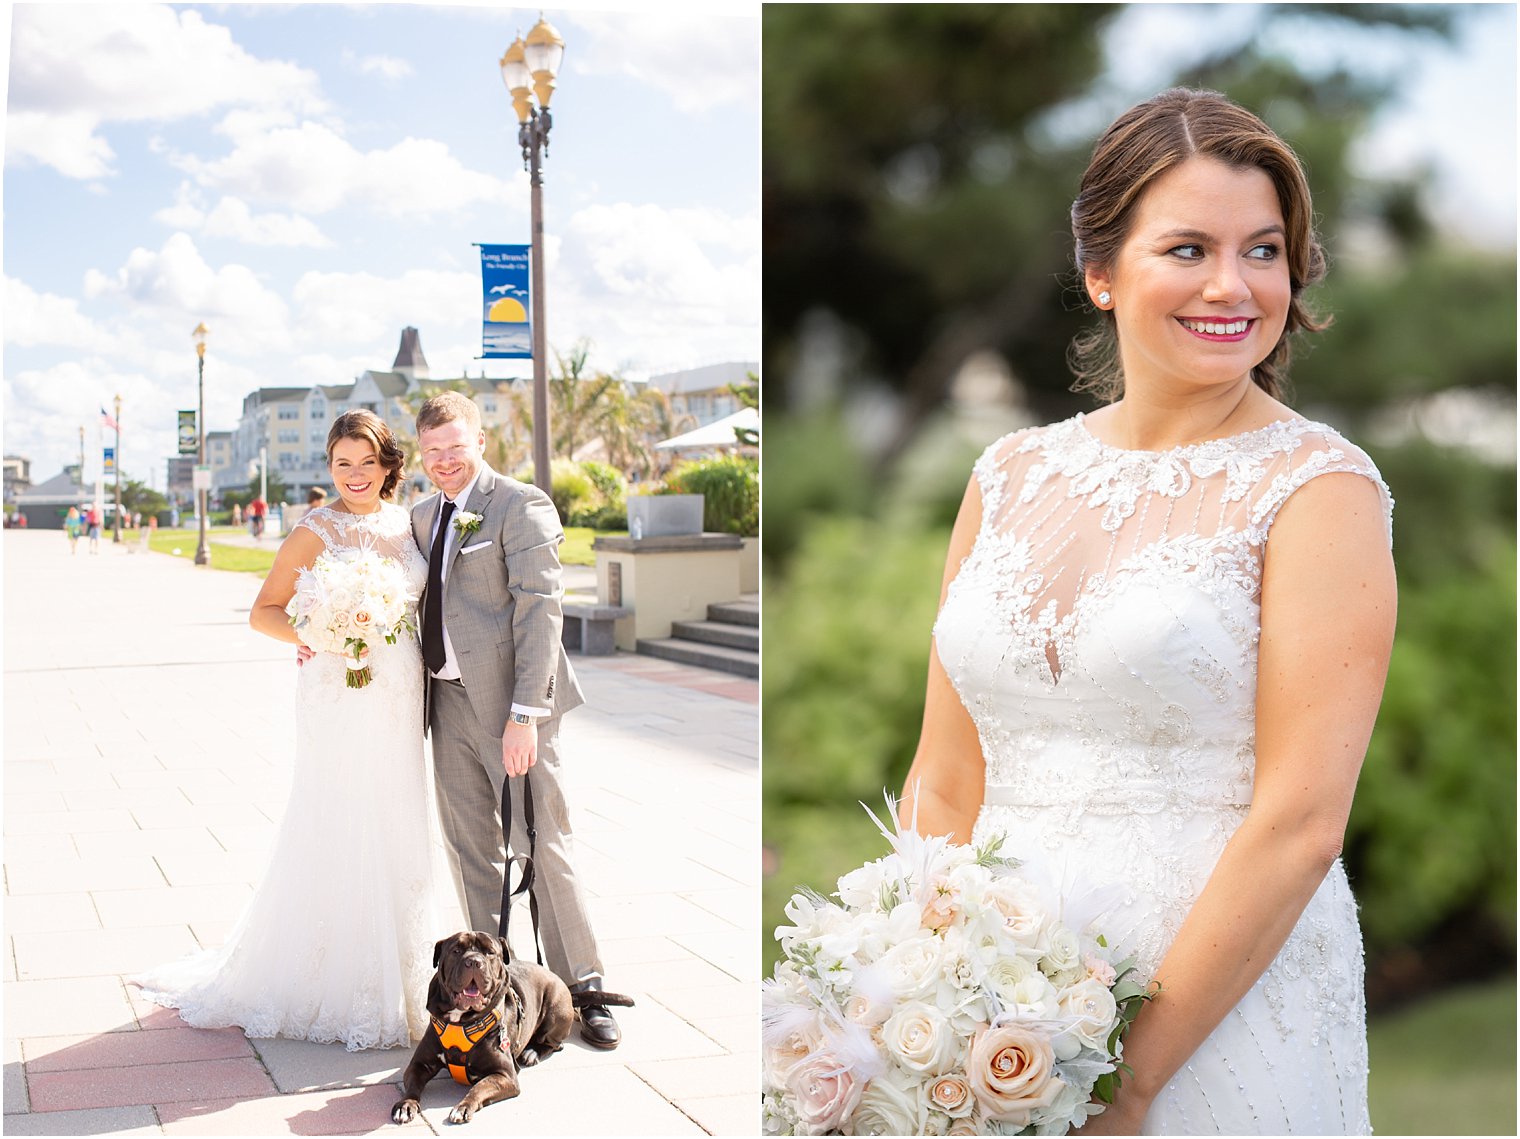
[535,61]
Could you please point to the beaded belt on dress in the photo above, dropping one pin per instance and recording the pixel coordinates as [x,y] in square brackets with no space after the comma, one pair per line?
[1117,799]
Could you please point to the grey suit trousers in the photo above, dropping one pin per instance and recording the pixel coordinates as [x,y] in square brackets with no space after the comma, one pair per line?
[468,771]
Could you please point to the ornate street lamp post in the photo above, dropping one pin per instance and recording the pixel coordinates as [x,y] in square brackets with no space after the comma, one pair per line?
[116,530]
[534,63]
[203,548]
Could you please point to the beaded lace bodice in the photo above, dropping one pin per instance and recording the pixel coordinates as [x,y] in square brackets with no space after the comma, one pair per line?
[388,531]
[1102,633]
[1111,599]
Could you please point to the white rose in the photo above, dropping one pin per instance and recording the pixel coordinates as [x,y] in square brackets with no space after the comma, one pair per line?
[912,968]
[1006,973]
[1092,1008]
[1034,996]
[920,1038]
[889,1106]
[861,889]
[866,1008]
[1023,915]
[1064,952]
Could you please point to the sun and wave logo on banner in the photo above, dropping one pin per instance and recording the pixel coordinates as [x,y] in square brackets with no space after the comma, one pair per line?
[504,309]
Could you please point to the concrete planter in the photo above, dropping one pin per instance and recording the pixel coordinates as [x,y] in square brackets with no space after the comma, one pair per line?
[749,566]
[664,515]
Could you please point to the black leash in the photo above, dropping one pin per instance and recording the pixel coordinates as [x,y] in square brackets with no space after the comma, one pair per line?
[525,881]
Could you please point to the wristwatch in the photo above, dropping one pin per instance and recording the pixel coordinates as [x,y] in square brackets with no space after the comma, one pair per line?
[521,718]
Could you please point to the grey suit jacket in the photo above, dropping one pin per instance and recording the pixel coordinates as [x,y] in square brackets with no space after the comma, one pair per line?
[501,601]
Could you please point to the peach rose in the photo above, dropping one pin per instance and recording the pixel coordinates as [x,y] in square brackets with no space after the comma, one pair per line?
[1012,1072]
[826,1092]
[951,1094]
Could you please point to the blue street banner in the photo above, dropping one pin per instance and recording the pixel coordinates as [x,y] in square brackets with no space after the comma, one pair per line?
[110,457]
[504,285]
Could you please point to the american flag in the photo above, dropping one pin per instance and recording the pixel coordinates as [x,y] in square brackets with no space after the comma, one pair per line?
[110,424]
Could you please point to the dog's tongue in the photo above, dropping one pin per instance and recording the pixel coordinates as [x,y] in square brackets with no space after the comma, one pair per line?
[473,990]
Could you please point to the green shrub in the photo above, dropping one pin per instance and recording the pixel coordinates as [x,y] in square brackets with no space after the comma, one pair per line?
[1432,833]
[730,487]
[573,489]
[608,480]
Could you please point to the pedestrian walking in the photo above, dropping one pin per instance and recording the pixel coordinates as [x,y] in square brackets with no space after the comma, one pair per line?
[72,525]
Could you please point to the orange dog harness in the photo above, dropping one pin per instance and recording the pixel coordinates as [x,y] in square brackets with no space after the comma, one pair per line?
[457,1040]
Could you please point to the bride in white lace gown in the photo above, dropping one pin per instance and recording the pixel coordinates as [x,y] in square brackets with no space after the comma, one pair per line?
[336,944]
[1162,643]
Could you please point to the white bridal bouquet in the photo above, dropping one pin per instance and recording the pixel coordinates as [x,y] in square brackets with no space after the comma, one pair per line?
[347,599]
[941,995]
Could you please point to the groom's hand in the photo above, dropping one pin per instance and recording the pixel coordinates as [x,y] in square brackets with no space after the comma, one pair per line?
[519,747]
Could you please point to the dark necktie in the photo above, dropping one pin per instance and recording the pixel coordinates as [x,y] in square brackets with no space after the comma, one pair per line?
[432,608]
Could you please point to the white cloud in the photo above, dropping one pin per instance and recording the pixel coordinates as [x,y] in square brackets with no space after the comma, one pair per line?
[75,67]
[66,142]
[33,318]
[366,309]
[312,169]
[176,283]
[658,288]
[385,66]
[699,59]
[232,218]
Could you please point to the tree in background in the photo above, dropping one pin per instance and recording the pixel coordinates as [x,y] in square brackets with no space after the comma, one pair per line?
[916,186]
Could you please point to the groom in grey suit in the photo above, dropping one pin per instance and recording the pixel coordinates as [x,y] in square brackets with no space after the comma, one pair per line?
[497,684]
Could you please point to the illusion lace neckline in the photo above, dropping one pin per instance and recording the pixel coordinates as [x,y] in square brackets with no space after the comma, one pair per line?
[1238,437]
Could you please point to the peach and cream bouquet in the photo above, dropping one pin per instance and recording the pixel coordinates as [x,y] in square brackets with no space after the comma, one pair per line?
[347,600]
[942,994]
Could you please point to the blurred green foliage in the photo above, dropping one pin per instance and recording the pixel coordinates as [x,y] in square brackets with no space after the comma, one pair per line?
[916,188]
[730,486]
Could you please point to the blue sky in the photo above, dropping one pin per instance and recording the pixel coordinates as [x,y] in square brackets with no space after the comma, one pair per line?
[309,179]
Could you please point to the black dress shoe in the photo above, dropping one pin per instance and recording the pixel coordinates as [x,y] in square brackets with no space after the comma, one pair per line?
[598,1029]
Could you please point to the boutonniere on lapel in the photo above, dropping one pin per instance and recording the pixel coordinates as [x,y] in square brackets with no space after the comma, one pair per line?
[467,523]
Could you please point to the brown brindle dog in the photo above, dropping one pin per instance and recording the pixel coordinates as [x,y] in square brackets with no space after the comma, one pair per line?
[489,1017]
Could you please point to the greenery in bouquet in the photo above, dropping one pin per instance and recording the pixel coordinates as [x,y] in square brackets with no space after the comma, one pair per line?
[943,993]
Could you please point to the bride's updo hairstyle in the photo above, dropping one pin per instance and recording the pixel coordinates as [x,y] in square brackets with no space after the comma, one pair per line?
[1141,145]
[370,428]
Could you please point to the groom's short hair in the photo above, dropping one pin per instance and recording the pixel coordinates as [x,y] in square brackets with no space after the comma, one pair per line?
[445,407]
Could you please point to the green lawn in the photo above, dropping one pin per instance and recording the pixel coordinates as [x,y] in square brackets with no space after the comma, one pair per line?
[1446,1065]
[577,548]
[575,552]
[239,559]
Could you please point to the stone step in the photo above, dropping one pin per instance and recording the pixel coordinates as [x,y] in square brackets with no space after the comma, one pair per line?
[741,612]
[737,662]
[718,633]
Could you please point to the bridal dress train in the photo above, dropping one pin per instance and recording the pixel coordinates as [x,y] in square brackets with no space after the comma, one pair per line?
[336,944]
[1103,633]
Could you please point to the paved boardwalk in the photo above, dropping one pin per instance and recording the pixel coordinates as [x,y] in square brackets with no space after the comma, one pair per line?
[147,759]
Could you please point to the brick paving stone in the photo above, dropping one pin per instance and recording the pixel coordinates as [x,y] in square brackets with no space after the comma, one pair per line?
[15,1090]
[73,1007]
[124,872]
[126,1049]
[193,1081]
[724,1115]
[357,1111]
[90,953]
[170,905]
[137,1120]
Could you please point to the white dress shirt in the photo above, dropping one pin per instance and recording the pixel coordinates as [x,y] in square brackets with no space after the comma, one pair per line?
[450,669]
